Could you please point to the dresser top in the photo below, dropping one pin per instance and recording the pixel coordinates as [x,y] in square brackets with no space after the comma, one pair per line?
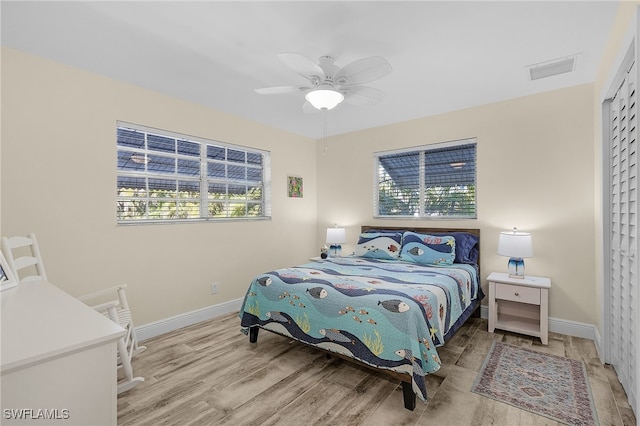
[527,281]
[39,322]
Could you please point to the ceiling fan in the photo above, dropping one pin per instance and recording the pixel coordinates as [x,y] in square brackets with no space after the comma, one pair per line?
[329,84]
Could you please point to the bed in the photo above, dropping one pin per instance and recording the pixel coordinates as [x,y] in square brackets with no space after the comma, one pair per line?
[389,306]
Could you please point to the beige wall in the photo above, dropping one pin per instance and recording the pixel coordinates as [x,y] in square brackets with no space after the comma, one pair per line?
[538,168]
[535,171]
[58,180]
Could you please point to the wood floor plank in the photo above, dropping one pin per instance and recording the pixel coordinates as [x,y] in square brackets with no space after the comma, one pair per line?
[555,346]
[465,333]
[605,403]
[269,402]
[230,395]
[476,350]
[371,391]
[209,374]
[449,354]
[450,406]
[492,412]
[616,388]
[310,406]
[392,412]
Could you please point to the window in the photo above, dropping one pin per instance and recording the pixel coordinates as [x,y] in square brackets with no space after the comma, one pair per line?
[432,181]
[163,176]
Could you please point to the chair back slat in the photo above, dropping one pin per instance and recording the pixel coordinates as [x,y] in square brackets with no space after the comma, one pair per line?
[23,257]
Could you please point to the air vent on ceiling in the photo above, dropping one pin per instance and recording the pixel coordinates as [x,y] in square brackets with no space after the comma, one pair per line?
[553,67]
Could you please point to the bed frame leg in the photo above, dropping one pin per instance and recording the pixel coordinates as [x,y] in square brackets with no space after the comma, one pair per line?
[409,396]
[477,313]
[253,334]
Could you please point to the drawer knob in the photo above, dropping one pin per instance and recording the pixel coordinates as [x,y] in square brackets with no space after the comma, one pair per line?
[516,293]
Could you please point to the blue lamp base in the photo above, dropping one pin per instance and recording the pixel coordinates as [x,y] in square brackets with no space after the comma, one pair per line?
[335,250]
[516,267]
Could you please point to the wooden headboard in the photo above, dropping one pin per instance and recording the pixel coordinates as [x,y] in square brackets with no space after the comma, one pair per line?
[473,231]
[420,230]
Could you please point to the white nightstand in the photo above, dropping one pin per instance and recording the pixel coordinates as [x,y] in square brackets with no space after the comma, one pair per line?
[519,305]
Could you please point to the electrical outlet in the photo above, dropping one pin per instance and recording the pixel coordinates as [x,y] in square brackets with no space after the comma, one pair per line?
[214,288]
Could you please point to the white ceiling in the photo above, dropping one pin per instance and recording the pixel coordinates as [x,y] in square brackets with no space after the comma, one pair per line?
[446,55]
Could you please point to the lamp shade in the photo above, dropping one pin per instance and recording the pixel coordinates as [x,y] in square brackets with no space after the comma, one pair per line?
[515,244]
[324,98]
[336,236]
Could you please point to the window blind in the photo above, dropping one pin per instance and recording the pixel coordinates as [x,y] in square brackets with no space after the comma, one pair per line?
[429,181]
[165,176]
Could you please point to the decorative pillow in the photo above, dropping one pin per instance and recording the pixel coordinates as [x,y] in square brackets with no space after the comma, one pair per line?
[467,247]
[428,249]
[379,245]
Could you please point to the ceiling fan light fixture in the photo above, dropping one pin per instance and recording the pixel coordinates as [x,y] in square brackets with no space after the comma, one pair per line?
[324,98]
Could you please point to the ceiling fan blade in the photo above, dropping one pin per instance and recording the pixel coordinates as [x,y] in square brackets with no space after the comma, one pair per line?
[362,71]
[279,90]
[302,65]
[362,95]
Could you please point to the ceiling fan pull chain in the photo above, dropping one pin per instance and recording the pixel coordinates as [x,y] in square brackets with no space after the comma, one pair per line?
[324,131]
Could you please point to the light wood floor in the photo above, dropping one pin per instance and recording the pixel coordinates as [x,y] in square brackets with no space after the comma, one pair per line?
[209,374]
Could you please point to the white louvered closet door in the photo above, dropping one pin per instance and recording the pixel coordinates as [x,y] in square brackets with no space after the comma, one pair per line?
[624,243]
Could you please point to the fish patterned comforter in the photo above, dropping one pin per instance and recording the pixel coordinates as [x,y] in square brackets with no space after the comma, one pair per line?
[388,314]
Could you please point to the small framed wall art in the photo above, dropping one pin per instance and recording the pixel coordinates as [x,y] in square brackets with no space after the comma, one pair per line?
[294,186]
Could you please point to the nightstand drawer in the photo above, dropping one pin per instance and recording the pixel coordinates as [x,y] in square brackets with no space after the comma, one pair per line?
[518,294]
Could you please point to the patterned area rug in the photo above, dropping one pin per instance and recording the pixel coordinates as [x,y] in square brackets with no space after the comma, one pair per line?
[549,385]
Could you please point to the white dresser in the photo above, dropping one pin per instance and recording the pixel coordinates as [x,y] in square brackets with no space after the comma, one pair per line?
[58,359]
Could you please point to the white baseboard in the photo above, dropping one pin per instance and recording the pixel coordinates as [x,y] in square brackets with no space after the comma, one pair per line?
[147,331]
[562,326]
[572,328]
[598,342]
[167,325]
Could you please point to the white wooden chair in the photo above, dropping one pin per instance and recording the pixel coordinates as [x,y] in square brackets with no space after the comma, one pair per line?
[23,257]
[116,308]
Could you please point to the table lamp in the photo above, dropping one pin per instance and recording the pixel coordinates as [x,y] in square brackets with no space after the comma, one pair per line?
[515,245]
[335,237]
